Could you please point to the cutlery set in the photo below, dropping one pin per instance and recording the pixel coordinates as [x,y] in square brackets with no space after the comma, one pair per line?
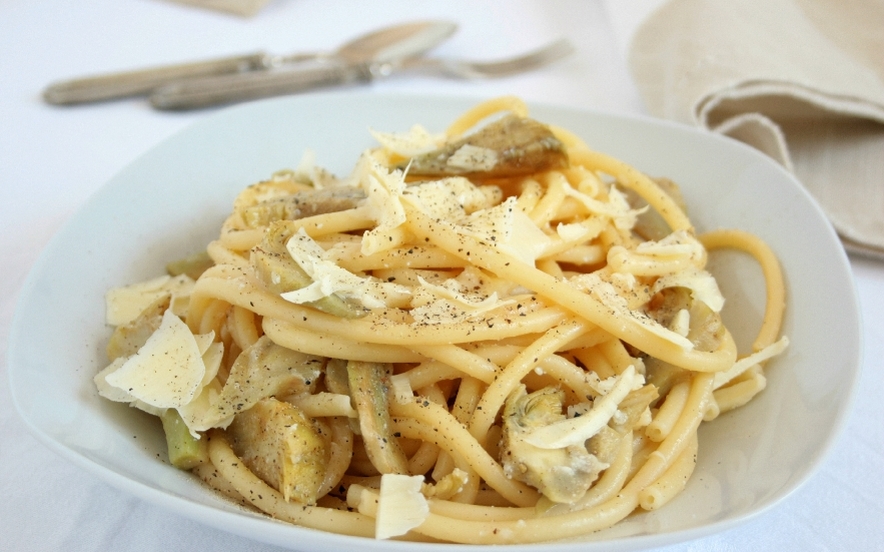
[378,54]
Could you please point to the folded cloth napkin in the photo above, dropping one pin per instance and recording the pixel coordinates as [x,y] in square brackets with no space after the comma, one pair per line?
[801,80]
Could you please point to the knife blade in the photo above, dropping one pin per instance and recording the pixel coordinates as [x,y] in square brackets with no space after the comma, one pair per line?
[142,81]
[349,66]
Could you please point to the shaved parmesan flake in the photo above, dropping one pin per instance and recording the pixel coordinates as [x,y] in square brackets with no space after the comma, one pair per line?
[212,361]
[447,303]
[329,278]
[681,322]
[109,391]
[202,413]
[401,505]
[450,290]
[743,364]
[448,198]
[167,371]
[703,286]
[204,341]
[307,163]
[616,208]
[124,304]
[416,141]
[401,386]
[608,295]
[384,192]
[447,487]
[635,293]
[503,226]
[309,171]
[473,158]
[506,228]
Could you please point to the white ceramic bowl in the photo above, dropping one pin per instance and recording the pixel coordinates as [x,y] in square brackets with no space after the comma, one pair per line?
[171,201]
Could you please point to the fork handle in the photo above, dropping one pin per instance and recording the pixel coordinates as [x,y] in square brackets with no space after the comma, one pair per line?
[210,91]
[142,81]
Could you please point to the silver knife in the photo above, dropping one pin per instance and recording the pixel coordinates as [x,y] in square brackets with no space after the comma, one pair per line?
[351,63]
[408,36]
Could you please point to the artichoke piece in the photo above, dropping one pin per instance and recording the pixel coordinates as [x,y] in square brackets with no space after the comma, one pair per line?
[510,146]
[263,370]
[271,260]
[447,487]
[605,444]
[282,446]
[266,369]
[192,265]
[336,377]
[369,384]
[561,474]
[280,273]
[302,204]
[664,376]
[634,409]
[185,451]
[128,338]
[705,329]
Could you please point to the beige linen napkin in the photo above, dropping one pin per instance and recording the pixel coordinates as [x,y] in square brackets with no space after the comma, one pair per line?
[801,80]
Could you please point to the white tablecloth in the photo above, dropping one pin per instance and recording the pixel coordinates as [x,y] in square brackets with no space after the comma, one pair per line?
[52,159]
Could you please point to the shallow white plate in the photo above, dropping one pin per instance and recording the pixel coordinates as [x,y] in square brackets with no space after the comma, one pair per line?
[171,201]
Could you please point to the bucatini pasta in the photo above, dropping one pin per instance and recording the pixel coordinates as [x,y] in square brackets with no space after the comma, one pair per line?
[489,335]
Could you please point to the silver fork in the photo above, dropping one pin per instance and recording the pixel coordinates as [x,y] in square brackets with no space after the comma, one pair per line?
[465,69]
[210,91]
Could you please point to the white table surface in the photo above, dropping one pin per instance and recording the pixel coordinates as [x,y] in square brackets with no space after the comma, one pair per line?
[52,159]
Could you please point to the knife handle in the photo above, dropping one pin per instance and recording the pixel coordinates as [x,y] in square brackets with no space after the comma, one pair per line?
[142,81]
[210,91]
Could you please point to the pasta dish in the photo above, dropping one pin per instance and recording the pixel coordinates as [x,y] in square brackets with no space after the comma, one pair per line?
[493,334]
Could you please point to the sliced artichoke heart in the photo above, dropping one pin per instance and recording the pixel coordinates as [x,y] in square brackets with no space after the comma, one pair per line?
[605,291]
[284,275]
[263,370]
[302,204]
[328,280]
[369,385]
[575,431]
[509,146]
[282,446]
[562,474]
